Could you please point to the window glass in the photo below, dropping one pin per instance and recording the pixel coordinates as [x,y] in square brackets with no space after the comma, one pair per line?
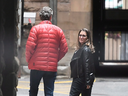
[116,48]
[116,45]
[115,4]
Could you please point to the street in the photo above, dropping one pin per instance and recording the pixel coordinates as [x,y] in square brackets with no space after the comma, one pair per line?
[101,87]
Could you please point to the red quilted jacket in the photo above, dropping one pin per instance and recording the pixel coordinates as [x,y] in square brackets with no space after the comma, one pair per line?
[45,46]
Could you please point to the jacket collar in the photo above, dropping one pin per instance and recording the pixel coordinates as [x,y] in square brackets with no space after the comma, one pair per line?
[77,53]
[45,22]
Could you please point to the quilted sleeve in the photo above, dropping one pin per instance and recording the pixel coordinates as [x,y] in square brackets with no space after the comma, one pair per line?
[31,43]
[63,46]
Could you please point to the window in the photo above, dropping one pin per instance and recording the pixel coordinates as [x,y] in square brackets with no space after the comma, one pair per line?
[116,48]
[116,4]
[116,45]
[112,45]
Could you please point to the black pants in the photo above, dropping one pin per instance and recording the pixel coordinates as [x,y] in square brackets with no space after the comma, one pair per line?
[78,86]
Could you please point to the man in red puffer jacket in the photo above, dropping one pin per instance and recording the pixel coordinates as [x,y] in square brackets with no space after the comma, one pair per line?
[46,45]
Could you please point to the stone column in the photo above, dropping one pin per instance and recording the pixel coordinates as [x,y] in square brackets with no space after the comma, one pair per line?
[16,36]
[9,73]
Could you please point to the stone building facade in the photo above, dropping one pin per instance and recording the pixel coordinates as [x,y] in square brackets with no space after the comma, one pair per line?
[72,15]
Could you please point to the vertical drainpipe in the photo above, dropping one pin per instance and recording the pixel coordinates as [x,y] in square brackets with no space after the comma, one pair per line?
[53,5]
[22,15]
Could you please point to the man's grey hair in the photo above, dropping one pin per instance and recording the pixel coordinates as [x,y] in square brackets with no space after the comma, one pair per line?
[45,13]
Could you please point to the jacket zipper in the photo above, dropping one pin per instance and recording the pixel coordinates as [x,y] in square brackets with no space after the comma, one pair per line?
[77,70]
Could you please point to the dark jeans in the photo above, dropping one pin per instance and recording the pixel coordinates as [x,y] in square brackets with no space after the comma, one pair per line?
[48,80]
[78,86]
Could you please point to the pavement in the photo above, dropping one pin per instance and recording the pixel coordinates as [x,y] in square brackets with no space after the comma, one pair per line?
[109,86]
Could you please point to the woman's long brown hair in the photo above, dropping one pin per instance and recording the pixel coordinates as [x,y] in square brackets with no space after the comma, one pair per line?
[88,41]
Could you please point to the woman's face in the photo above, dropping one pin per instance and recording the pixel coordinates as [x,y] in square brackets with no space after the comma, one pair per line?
[82,37]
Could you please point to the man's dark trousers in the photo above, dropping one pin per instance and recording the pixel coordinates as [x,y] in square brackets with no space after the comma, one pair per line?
[48,80]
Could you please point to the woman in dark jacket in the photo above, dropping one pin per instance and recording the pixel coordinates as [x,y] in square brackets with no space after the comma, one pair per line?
[82,67]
